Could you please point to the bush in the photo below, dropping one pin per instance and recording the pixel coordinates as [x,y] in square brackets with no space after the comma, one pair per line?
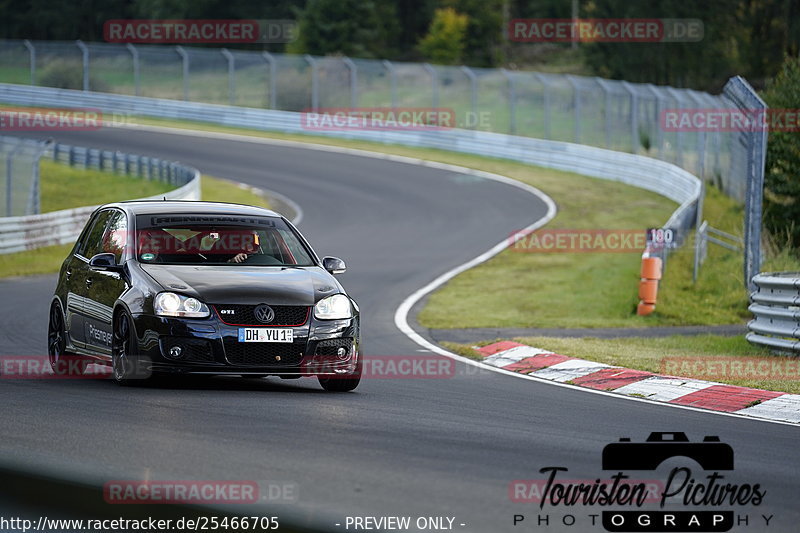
[781,180]
[444,43]
[68,75]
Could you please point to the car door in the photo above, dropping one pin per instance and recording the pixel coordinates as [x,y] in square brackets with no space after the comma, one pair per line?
[75,279]
[103,288]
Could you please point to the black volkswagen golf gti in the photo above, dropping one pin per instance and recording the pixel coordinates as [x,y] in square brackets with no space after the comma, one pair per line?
[157,288]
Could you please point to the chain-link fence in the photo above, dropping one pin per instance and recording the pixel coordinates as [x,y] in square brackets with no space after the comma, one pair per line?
[610,114]
[19,176]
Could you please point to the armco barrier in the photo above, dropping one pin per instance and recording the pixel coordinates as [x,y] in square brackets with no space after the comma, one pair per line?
[639,171]
[776,306]
[61,227]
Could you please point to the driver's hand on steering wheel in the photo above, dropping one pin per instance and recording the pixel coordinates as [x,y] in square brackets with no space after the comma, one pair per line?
[238,258]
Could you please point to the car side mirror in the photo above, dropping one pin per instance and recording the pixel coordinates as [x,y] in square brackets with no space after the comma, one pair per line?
[104,262]
[334,265]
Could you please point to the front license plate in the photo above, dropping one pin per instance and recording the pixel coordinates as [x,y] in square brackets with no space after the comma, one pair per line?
[266,335]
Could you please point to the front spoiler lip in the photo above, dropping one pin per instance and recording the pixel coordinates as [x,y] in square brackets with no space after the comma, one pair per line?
[304,369]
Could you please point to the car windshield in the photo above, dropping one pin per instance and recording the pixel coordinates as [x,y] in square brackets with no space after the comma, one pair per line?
[218,240]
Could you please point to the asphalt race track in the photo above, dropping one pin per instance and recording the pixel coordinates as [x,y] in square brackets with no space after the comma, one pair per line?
[423,447]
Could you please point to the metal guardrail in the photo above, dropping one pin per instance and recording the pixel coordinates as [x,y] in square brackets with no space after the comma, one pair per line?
[706,234]
[640,171]
[60,227]
[776,307]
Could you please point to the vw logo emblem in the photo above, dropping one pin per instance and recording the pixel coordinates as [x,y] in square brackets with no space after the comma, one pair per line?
[264,313]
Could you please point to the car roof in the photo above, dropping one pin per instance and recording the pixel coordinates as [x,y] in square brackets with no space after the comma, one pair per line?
[158,207]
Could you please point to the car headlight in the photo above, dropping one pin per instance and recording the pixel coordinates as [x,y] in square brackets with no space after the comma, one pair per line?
[333,307]
[171,304]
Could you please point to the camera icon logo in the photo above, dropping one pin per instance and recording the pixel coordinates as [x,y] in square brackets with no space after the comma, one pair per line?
[710,454]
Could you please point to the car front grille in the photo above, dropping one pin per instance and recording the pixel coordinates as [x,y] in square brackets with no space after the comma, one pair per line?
[263,353]
[243,315]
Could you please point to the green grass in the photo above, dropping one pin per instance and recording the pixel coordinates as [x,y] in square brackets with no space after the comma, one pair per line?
[64,187]
[101,188]
[652,354]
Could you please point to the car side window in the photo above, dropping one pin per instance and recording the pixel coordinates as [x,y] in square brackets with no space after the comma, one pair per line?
[115,235]
[93,243]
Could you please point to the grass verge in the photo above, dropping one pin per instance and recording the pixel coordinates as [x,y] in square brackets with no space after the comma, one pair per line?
[48,259]
[663,355]
[64,187]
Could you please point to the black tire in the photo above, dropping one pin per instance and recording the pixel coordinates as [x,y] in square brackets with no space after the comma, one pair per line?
[345,382]
[60,359]
[125,365]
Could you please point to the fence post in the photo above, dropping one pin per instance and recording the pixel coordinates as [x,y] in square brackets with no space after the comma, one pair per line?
[185,62]
[231,76]
[473,86]
[699,249]
[9,169]
[546,102]
[314,82]
[135,58]
[434,83]
[36,204]
[701,140]
[353,80]
[743,95]
[32,59]
[85,59]
[607,112]
[658,109]
[273,84]
[679,134]
[512,101]
[392,81]
[576,105]
[634,116]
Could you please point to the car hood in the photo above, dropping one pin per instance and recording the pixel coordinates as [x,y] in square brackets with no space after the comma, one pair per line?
[247,285]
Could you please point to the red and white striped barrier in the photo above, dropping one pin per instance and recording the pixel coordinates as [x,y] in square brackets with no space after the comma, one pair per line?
[543,364]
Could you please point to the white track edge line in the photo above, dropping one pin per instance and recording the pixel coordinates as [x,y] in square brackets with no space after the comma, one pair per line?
[401,315]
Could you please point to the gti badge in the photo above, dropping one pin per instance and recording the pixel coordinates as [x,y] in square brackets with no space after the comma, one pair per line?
[264,313]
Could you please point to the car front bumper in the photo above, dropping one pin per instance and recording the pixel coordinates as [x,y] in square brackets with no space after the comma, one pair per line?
[209,346]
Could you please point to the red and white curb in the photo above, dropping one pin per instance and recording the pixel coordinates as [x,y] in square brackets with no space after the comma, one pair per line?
[540,363]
